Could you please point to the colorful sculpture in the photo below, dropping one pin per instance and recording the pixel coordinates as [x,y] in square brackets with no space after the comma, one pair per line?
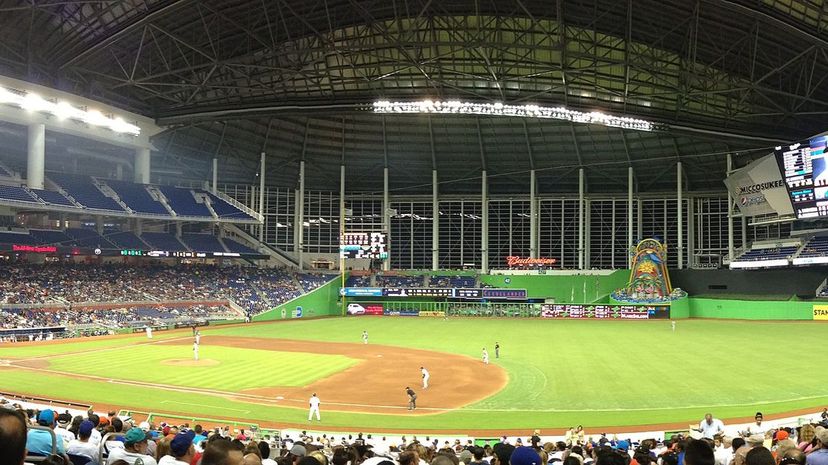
[649,279]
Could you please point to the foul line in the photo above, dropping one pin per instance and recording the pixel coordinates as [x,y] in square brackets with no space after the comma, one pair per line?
[203,405]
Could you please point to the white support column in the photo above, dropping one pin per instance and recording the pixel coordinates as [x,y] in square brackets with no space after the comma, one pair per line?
[142,166]
[341,211]
[691,231]
[301,209]
[36,161]
[215,176]
[630,225]
[744,230]
[386,216]
[484,227]
[580,218]
[119,172]
[435,222]
[261,193]
[296,221]
[533,214]
[730,248]
[680,217]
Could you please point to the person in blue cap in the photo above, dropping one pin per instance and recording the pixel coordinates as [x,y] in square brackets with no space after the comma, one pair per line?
[181,449]
[39,442]
[82,445]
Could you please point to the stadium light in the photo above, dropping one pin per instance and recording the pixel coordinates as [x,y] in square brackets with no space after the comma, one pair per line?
[64,110]
[456,107]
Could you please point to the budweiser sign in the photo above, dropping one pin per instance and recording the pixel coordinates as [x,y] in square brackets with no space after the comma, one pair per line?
[512,261]
[34,248]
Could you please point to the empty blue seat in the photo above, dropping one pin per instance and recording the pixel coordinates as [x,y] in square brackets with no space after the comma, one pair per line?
[163,241]
[86,237]
[16,194]
[126,240]
[85,192]
[136,197]
[236,247]
[53,198]
[183,203]
[202,242]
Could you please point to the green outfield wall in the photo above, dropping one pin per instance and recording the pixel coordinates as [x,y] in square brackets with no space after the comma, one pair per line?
[563,288]
[751,309]
[321,301]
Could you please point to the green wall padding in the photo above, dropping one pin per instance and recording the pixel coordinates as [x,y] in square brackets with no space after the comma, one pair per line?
[321,301]
[563,288]
[750,309]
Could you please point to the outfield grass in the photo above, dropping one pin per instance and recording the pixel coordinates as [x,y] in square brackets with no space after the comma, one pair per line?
[607,373]
[237,369]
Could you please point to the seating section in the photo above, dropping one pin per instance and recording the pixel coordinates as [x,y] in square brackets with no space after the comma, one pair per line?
[163,241]
[85,192]
[358,281]
[136,197]
[85,237]
[5,172]
[816,247]
[236,247]
[775,253]
[16,238]
[51,237]
[126,240]
[202,242]
[16,194]
[399,281]
[53,198]
[183,202]
[226,211]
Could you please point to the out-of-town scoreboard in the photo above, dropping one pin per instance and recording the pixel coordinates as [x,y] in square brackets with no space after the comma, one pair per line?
[365,245]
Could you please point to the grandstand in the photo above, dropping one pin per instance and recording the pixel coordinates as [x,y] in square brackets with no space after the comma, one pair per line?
[464,227]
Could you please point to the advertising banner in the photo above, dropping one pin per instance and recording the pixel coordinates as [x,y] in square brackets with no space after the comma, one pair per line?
[401,312]
[361,291]
[433,313]
[606,311]
[373,309]
[821,312]
[758,188]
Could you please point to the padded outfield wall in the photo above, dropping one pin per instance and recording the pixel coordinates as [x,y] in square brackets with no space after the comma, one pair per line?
[319,302]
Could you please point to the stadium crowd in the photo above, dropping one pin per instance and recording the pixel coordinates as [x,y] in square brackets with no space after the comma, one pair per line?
[253,289]
[110,317]
[112,440]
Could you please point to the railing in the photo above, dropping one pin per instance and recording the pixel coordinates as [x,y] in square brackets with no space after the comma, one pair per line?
[239,205]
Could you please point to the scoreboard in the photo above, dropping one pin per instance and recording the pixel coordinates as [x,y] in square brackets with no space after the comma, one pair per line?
[804,168]
[371,245]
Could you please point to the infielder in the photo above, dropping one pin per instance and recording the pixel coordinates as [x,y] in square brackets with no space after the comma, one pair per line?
[412,398]
[314,407]
[673,324]
[497,350]
[365,337]
[198,337]
[425,377]
[195,351]
[149,332]
[485,356]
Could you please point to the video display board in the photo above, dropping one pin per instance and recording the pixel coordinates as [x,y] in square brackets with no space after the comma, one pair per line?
[606,311]
[804,167]
[370,245]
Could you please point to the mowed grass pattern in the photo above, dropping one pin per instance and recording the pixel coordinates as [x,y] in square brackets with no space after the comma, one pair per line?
[238,369]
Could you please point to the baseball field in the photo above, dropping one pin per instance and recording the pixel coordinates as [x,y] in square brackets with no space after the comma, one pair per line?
[550,374]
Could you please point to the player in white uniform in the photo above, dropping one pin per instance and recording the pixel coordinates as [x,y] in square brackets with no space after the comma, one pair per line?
[673,324]
[485,356]
[365,337]
[425,377]
[314,407]
[198,337]
[149,332]
[195,351]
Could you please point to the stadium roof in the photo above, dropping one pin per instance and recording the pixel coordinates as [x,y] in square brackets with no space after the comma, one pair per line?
[295,78]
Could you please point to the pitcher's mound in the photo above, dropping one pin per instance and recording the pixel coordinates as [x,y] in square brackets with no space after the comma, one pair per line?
[188,362]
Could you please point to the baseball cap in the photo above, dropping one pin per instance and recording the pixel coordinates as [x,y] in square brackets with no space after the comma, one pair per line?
[755,439]
[623,445]
[181,443]
[822,435]
[298,450]
[781,435]
[46,417]
[465,456]
[524,456]
[144,426]
[135,435]
[85,428]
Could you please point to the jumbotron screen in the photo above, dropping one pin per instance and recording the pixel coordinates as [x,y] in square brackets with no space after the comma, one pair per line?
[804,168]
[366,245]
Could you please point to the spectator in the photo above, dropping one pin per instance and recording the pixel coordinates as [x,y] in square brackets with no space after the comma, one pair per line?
[222,452]
[759,456]
[182,450]
[81,445]
[699,452]
[750,442]
[12,437]
[819,456]
[710,427]
[135,447]
[39,442]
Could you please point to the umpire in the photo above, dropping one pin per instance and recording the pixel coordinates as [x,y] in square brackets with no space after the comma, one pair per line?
[412,398]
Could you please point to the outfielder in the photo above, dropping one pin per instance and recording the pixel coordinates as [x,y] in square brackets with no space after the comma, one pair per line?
[673,324]
[198,337]
[485,356]
[314,407]
[425,377]
[195,351]
[149,332]
[365,337]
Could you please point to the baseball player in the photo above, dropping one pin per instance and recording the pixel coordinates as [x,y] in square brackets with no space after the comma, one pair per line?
[425,377]
[195,351]
[485,356]
[149,332]
[673,324]
[314,407]
[412,398]
[497,350]
[198,337]
[365,337]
